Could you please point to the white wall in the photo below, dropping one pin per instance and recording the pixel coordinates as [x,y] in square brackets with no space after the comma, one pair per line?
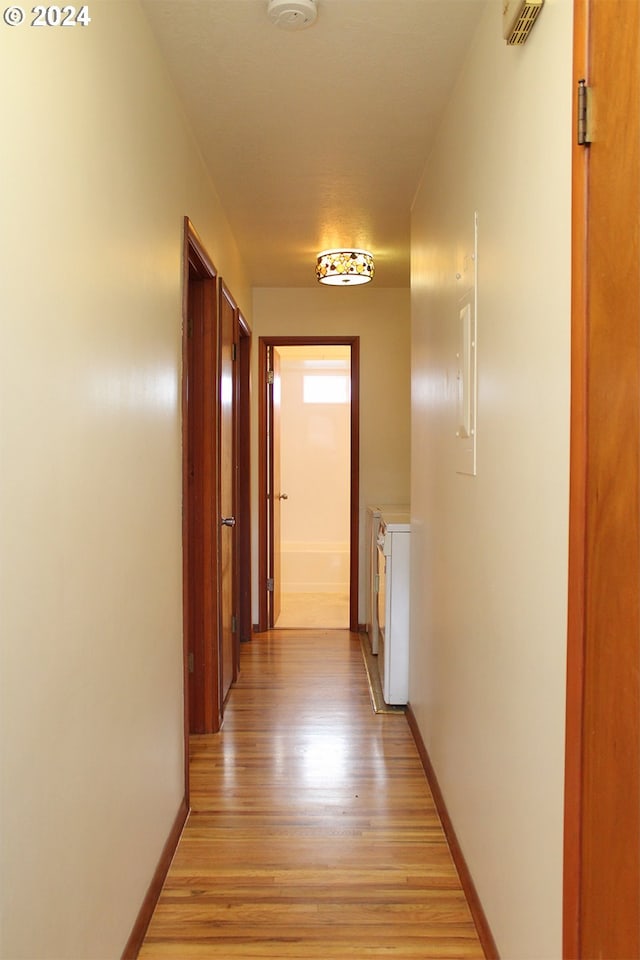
[98,170]
[380,317]
[489,554]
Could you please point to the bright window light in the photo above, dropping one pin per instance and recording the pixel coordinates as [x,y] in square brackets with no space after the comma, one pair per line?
[325,389]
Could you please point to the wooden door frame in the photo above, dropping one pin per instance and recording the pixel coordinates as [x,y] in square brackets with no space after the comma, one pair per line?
[274,484]
[243,482]
[195,254]
[603,489]
[354,510]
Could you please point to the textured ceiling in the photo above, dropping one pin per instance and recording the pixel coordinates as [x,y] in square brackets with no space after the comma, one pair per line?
[316,138]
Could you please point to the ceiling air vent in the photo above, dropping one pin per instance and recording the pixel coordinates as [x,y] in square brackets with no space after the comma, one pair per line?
[292,14]
[518,17]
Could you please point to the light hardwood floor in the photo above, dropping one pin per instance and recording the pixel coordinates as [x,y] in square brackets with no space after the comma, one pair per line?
[313,833]
[311,610]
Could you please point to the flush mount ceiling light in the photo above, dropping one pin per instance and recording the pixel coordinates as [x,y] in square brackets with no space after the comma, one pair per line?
[292,14]
[345,267]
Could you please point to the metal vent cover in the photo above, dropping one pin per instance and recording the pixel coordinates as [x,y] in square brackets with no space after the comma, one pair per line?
[519,17]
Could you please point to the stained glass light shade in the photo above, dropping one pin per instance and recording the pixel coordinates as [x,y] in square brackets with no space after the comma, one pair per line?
[344,267]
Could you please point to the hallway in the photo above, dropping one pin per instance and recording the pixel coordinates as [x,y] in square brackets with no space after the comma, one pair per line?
[312,833]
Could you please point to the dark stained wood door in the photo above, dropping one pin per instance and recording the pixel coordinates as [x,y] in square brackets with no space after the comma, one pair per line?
[200,511]
[602,826]
[227,482]
[243,491]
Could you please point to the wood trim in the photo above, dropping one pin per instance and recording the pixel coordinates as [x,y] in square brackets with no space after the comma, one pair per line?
[196,255]
[187,236]
[273,426]
[244,480]
[354,519]
[265,343]
[577,513]
[137,935]
[263,614]
[479,918]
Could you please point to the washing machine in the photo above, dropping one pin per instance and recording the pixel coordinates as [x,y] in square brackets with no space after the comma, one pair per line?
[371,574]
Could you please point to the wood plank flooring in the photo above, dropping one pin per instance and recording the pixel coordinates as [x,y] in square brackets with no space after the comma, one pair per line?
[314,611]
[313,833]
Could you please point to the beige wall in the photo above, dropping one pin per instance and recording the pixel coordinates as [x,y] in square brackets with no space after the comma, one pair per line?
[380,317]
[489,553]
[98,170]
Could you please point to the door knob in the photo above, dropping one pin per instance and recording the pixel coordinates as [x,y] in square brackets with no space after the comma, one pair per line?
[283,496]
[228,522]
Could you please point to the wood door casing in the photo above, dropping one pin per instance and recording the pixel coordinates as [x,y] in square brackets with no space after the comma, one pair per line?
[275,489]
[243,486]
[602,835]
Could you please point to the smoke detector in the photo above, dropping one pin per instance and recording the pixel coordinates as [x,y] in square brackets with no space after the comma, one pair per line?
[292,14]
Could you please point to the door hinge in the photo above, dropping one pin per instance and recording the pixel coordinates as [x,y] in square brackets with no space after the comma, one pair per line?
[269,377]
[234,623]
[190,665]
[233,351]
[585,114]
[270,584]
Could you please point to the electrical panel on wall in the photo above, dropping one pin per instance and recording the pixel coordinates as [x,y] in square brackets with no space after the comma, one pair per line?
[466,360]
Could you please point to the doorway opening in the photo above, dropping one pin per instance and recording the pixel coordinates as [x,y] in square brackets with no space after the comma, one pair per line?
[315,419]
[309,429]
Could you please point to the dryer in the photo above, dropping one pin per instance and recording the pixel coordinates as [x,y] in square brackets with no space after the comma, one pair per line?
[392,608]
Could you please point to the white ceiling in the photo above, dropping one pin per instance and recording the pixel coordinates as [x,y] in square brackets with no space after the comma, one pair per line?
[316,138]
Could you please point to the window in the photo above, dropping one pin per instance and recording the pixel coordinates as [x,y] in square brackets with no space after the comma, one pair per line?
[325,389]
